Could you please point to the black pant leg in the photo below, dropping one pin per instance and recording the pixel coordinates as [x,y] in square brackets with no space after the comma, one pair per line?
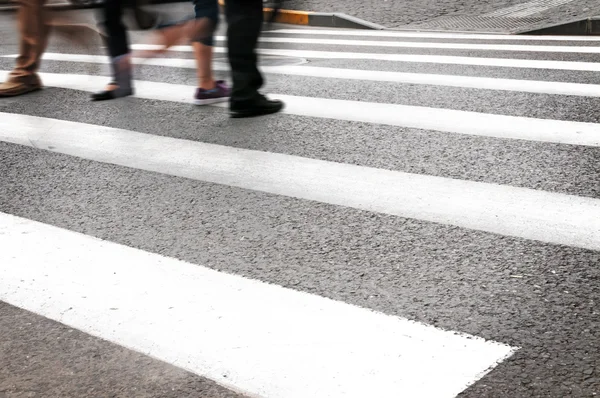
[244,19]
[117,41]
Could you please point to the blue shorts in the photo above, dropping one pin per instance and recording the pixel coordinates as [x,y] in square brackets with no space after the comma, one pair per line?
[207,9]
[202,9]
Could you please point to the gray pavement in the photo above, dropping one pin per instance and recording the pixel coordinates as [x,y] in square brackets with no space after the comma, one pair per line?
[538,296]
[396,13]
[43,358]
[498,16]
[432,14]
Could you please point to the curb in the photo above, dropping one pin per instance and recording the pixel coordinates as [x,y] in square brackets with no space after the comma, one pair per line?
[318,19]
[579,27]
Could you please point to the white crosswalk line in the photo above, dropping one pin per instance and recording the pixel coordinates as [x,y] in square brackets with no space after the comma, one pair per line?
[529,86]
[445,120]
[430,45]
[520,212]
[417,58]
[430,35]
[258,338]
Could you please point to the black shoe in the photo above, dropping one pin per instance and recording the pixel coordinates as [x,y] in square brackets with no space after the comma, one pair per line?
[260,106]
[108,95]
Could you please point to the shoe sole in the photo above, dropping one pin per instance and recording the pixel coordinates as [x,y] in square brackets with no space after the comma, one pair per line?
[244,114]
[210,101]
[18,93]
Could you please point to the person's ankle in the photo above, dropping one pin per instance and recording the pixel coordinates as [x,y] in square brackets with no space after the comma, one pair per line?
[208,84]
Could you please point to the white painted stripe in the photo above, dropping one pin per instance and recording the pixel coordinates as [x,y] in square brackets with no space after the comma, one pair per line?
[529,86]
[411,58]
[446,120]
[520,212]
[257,338]
[428,35]
[416,58]
[428,45]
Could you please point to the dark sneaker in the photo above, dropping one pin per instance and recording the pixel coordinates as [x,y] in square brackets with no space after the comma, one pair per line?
[220,93]
[258,107]
[107,95]
[122,85]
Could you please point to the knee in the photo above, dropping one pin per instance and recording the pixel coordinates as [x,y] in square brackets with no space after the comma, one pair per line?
[207,9]
[208,41]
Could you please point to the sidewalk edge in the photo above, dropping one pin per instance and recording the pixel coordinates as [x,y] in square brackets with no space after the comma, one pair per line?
[318,19]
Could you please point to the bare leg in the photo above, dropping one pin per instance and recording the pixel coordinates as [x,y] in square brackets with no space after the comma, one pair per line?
[168,37]
[204,56]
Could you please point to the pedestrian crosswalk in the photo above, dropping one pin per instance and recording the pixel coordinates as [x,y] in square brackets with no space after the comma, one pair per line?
[460,122]
[260,353]
[530,86]
[397,231]
[428,45]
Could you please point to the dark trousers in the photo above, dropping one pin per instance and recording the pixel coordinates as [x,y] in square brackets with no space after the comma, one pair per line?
[117,40]
[244,19]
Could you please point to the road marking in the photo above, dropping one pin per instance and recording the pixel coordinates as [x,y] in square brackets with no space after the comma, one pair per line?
[411,58]
[428,45]
[519,212]
[444,120]
[416,58]
[488,83]
[255,337]
[429,35]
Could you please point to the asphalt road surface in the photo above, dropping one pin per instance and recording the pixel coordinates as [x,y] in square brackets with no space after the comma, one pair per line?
[422,221]
[403,13]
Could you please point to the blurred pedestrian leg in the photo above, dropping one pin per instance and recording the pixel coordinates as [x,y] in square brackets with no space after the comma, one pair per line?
[244,20]
[117,41]
[33,30]
[35,23]
[200,31]
[209,91]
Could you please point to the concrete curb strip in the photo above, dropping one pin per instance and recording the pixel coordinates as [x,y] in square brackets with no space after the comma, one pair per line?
[578,27]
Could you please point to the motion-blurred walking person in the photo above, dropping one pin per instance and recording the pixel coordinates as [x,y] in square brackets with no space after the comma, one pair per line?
[35,23]
[200,31]
[117,42]
[245,19]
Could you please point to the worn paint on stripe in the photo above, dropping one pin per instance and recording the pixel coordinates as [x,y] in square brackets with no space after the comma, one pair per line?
[254,337]
[433,59]
[416,58]
[428,45]
[410,58]
[429,35]
[529,86]
[512,211]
